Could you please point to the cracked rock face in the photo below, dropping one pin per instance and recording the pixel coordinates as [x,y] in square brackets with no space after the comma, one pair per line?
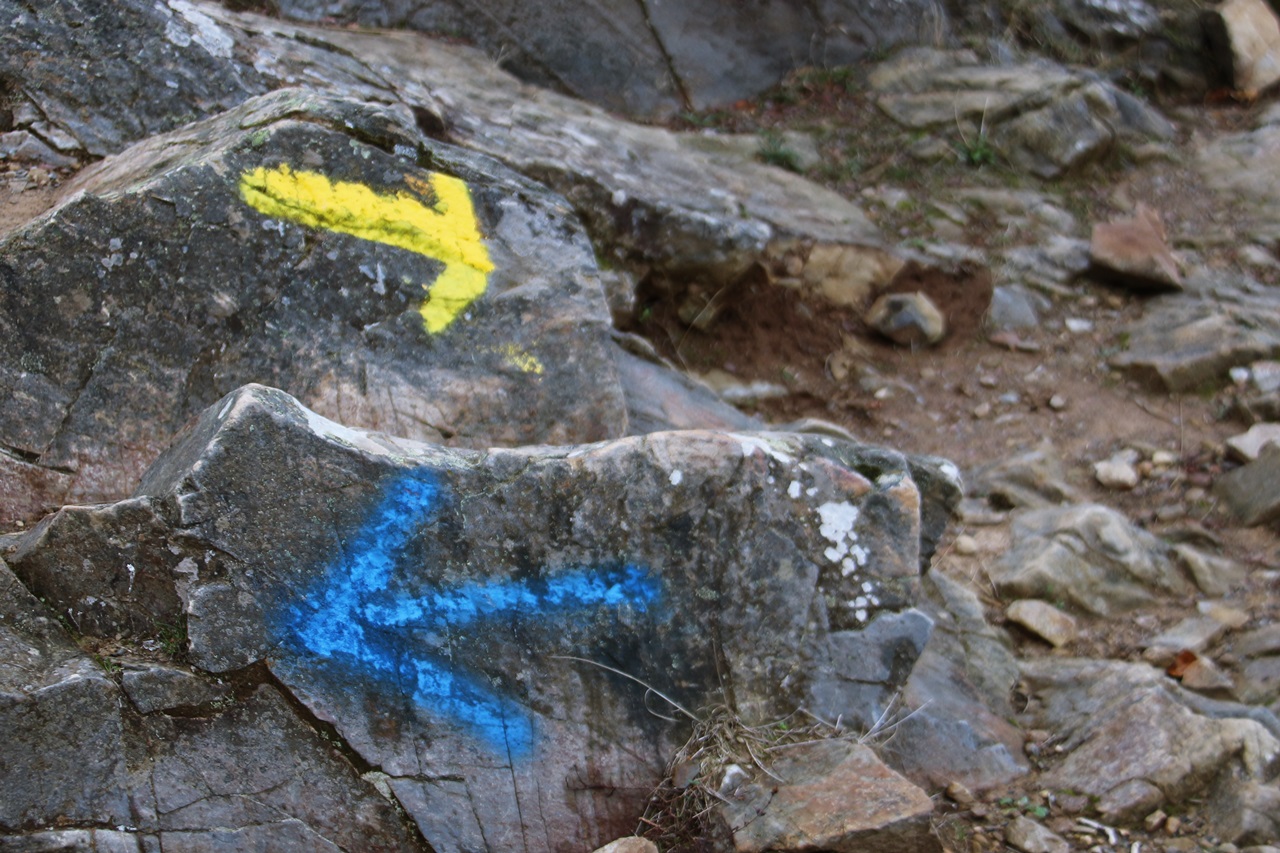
[502,638]
[321,245]
[651,59]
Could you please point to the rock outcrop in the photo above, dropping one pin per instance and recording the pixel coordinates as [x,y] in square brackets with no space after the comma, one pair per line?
[390,281]
[444,611]
[650,59]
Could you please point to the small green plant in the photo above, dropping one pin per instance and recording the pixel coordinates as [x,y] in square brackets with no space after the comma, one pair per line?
[977,152]
[1022,805]
[173,637]
[107,665]
[774,151]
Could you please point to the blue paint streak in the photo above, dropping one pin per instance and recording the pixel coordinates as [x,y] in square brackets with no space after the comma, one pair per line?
[354,621]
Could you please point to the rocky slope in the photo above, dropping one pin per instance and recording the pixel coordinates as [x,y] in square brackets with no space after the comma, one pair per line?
[375,609]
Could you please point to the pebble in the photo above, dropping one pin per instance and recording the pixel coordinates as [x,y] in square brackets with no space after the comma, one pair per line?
[1057,402]
[982,410]
[1114,474]
[1078,326]
[1154,821]
[959,794]
[966,545]
[1044,620]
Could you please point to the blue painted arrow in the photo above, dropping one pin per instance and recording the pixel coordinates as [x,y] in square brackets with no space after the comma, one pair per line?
[352,613]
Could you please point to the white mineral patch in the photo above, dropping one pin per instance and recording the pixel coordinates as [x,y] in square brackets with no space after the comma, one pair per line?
[750,444]
[837,527]
[676,477]
[321,425]
[794,489]
[206,33]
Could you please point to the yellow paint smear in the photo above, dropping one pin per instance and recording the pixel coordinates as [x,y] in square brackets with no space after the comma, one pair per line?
[522,360]
[447,232]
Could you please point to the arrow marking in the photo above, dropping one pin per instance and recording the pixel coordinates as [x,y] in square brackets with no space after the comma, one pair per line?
[356,621]
[446,230]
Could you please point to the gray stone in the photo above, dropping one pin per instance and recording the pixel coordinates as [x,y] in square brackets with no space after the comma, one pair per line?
[179,277]
[254,775]
[64,840]
[1252,491]
[954,723]
[171,63]
[1186,344]
[1247,446]
[1088,558]
[1246,812]
[156,687]
[659,397]
[64,755]
[1041,117]
[1116,474]
[447,609]
[1196,633]
[1014,307]
[21,146]
[1033,479]
[835,795]
[652,59]
[1260,641]
[1131,738]
[1026,835]
[632,844]
[1212,574]
[1239,166]
[1260,680]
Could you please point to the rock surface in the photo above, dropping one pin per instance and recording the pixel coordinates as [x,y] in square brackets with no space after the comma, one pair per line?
[1134,741]
[481,322]
[1135,252]
[1042,118]
[359,577]
[834,795]
[1246,38]
[651,58]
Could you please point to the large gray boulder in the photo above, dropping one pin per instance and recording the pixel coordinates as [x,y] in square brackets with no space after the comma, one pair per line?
[509,638]
[650,59]
[167,60]
[323,245]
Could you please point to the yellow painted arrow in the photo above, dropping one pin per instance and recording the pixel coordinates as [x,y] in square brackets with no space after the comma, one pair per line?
[446,231]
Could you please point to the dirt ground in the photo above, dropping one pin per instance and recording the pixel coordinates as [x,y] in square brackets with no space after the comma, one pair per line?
[978,400]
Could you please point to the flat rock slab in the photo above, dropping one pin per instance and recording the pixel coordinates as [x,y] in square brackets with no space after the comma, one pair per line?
[1190,343]
[299,240]
[835,795]
[1135,252]
[64,754]
[1042,118]
[1252,492]
[487,629]
[1243,167]
[1136,741]
[1089,558]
